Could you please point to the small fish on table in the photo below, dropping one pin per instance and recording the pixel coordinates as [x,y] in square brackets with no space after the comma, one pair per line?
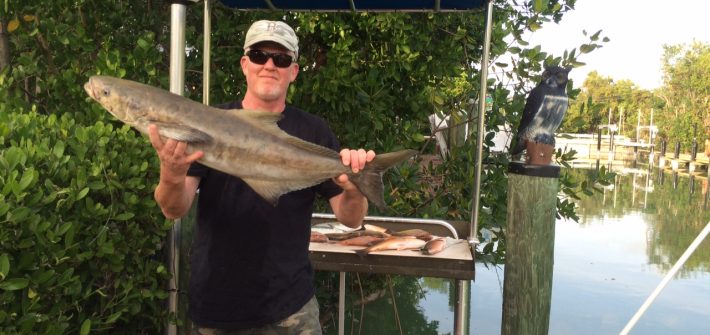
[437,244]
[319,237]
[393,243]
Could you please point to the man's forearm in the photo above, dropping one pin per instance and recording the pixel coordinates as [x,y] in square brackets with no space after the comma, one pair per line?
[352,208]
[173,198]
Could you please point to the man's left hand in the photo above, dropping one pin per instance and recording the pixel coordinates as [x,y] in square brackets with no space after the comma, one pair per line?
[356,159]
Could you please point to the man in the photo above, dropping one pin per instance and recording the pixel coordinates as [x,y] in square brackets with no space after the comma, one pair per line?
[250,272]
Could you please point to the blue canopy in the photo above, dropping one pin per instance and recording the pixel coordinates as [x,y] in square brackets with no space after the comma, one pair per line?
[359,5]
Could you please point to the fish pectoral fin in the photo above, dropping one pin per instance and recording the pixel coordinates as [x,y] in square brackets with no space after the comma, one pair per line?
[272,190]
[182,133]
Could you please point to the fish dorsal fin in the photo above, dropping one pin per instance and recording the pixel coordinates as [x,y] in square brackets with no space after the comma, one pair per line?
[272,190]
[262,119]
[182,132]
[268,120]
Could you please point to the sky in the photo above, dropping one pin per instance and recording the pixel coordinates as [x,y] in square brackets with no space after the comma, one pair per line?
[637,30]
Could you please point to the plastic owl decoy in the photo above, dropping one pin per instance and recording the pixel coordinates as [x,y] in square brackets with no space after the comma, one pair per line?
[545,108]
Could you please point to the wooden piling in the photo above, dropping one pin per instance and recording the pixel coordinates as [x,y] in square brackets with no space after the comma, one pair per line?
[662,156]
[530,236]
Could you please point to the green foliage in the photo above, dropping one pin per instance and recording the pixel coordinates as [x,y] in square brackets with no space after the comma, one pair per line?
[58,45]
[678,109]
[573,189]
[80,235]
[603,101]
[686,92]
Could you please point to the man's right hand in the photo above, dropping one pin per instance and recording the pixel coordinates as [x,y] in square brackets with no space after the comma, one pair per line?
[174,160]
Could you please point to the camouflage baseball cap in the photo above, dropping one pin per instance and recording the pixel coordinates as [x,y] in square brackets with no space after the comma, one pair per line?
[274,31]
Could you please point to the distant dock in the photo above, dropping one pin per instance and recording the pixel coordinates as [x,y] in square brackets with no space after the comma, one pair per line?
[619,149]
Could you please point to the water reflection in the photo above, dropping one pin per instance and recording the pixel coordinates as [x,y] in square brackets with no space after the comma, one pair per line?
[672,216]
[395,311]
[627,239]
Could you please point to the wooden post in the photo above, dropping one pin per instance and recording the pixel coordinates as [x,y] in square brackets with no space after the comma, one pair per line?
[662,156]
[527,290]
[599,141]
[663,147]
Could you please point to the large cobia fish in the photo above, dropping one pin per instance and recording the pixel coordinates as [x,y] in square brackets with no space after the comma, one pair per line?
[244,143]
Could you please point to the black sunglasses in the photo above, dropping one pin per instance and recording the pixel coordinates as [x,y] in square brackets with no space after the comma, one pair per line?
[261,57]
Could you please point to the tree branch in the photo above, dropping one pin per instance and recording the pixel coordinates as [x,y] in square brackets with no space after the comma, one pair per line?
[4,45]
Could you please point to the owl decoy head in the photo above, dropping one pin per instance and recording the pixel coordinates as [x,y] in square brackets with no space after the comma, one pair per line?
[556,76]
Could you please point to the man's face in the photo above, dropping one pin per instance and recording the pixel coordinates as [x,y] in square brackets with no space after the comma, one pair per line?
[267,81]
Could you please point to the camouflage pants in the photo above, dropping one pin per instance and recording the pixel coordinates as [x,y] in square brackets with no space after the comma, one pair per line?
[303,322]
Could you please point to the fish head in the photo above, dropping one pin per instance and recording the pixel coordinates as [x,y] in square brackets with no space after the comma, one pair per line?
[114,95]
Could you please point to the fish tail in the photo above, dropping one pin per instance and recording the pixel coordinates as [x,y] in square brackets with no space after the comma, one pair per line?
[369,180]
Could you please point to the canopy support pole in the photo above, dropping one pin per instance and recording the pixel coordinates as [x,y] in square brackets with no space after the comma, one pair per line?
[475,207]
[177,84]
[341,304]
[669,276]
[462,312]
[206,60]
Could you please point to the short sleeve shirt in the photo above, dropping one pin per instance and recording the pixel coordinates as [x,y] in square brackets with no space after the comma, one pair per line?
[249,262]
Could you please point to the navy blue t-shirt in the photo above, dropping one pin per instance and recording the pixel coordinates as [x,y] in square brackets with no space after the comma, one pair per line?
[249,264]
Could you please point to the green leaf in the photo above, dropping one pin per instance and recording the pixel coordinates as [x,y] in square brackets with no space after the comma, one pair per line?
[124,216]
[63,228]
[82,193]
[4,266]
[143,44]
[85,327]
[587,48]
[97,185]
[540,5]
[595,36]
[15,156]
[113,317]
[14,284]
[44,276]
[58,150]
[27,178]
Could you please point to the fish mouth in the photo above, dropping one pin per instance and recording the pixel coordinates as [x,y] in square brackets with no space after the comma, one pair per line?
[89,89]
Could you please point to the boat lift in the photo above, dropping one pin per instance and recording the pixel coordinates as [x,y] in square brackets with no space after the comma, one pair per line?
[459,265]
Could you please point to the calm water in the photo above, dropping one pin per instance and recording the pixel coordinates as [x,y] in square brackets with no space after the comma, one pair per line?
[606,265]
